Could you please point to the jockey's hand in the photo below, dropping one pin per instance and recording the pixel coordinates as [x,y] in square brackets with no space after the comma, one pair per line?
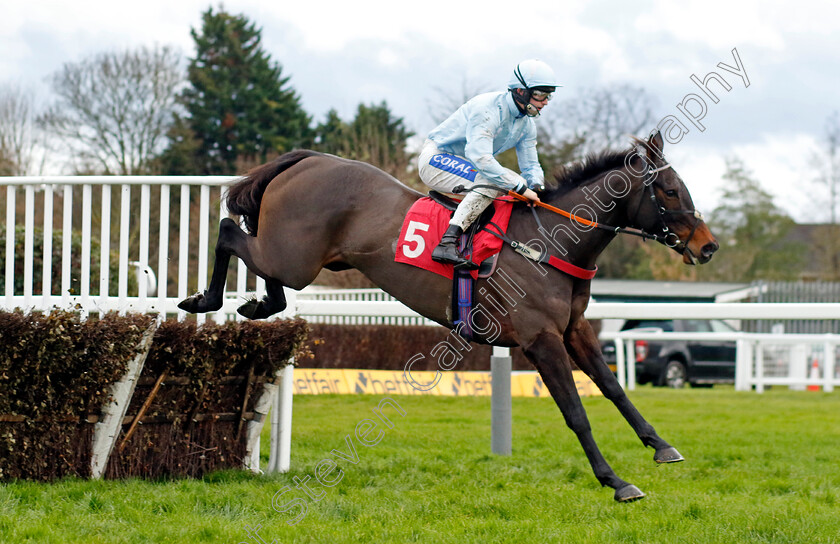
[531,195]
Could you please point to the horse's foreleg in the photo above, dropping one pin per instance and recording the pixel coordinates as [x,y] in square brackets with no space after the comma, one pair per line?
[212,297]
[585,349]
[552,361]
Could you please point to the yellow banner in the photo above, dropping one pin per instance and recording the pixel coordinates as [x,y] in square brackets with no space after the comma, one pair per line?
[315,381]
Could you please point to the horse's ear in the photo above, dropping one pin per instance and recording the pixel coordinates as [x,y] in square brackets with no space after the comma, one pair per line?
[656,142]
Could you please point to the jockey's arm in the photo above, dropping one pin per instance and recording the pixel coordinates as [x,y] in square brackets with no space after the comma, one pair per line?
[529,163]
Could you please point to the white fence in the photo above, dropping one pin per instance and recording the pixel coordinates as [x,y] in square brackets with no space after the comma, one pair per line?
[761,359]
[144,219]
[181,238]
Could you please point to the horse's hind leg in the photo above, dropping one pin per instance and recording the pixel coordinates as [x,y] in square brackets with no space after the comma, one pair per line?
[583,345]
[274,301]
[212,297]
[233,241]
[549,356]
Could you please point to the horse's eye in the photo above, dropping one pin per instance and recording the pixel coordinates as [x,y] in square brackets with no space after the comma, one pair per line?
[670,193]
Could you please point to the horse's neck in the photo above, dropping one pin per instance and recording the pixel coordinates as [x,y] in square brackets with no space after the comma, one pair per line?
[596,202]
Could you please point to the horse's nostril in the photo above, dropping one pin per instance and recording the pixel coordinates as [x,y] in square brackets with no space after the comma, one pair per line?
[709,249]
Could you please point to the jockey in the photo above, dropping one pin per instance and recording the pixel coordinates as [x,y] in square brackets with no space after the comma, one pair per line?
[462,149]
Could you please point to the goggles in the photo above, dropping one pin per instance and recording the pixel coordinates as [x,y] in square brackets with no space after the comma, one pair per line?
[539,96]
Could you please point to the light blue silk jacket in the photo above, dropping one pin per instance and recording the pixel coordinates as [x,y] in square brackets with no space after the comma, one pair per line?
[485,126]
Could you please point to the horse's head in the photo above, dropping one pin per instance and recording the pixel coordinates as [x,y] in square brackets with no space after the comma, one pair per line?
[665,207]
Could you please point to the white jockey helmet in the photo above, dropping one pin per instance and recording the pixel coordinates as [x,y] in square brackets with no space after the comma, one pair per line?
[532,73]
[537,79]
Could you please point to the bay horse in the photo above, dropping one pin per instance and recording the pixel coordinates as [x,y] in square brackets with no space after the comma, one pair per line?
[306,211]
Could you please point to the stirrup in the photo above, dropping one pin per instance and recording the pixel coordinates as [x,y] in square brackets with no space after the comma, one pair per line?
[449,254]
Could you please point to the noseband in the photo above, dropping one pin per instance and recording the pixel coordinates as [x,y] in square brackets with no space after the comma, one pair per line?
[668,237]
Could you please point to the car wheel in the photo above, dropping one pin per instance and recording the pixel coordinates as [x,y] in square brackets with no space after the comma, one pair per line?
[675,375]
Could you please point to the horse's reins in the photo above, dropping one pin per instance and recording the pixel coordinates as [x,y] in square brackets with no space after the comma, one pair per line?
[679,245]
[586,222]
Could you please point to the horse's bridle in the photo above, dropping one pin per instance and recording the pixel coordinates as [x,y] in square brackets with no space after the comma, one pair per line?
[678,245]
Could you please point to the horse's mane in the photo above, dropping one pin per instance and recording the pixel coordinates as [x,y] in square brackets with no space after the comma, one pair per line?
[578,173]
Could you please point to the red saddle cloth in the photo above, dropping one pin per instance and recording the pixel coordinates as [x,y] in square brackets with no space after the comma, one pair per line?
[424,225]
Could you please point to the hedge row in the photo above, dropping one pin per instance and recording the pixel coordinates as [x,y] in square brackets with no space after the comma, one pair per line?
[56,373]
[204,356]
[389,347]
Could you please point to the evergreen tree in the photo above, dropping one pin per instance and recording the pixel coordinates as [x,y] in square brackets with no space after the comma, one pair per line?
[751,231]
[240,106]
[374,136]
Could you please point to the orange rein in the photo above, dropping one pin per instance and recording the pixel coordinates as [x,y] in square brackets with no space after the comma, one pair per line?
[549,207]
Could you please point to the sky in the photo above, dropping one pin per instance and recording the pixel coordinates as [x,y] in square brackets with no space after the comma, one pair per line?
[340,54]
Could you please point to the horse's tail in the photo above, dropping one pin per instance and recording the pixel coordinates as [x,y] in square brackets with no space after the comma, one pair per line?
[244,196]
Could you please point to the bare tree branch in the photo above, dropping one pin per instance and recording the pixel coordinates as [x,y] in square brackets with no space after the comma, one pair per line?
[113,109]
[603,117]
[19,137]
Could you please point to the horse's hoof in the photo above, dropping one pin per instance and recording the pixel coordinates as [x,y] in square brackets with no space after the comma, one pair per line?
[192,304]
[668,455]
[629,493]
[198,303]
[254,309]
[249,309]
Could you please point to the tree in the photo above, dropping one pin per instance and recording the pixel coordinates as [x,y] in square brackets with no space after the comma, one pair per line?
[19,137]
[374,136]
[751,231]
[601,118]
[444,101]
[114,109]
[241,110]
[827,162]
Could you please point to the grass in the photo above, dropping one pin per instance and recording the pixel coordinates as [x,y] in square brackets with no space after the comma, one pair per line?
[760,468]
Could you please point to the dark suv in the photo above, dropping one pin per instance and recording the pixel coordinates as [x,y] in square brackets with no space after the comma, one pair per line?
[677,362]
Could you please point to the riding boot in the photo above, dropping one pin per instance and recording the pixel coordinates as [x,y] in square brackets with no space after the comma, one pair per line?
[447,250]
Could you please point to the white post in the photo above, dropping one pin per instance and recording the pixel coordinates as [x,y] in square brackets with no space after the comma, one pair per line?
[10,245]
[28,245]
[501,409]
[46,261]
[163,251]
[620,365]
[742,364]
[107,429]
[87,214]
[281,423]
[66,245]
[183,247]
[759,368]
[105,246]
[630,354]
[828,367]
[798,369]
[125,211]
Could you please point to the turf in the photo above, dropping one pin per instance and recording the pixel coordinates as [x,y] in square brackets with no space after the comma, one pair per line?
[759,468]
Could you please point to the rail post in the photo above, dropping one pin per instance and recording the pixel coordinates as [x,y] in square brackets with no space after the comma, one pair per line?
[501,407]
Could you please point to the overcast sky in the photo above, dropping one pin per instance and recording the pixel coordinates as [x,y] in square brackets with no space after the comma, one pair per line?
[339,54]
